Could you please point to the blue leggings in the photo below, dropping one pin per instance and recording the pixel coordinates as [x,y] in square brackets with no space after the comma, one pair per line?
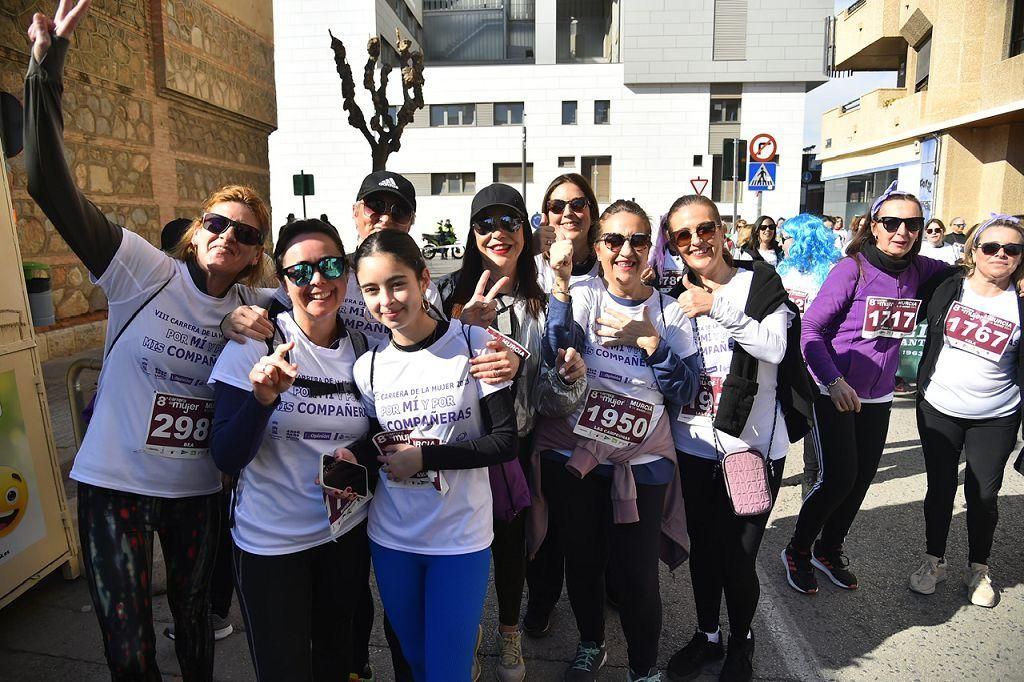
[434,604]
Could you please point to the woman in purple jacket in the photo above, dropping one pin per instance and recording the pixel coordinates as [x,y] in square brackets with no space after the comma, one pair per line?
[851,339]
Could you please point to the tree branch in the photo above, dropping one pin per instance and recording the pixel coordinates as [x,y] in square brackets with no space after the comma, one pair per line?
[348,90]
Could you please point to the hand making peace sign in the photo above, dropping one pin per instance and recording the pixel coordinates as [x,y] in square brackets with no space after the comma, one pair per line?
[482,309]
[62,25]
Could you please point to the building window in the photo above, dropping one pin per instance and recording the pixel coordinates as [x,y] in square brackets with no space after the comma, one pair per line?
[725,110]
[512,173]
[568,113]
[924,58]
[452,183]
[598,170]
[1017,29]
[587,31]
[508,113]
[566,161]
[452,115]
[602,111]
[478,31]
[698,160]
[901,71]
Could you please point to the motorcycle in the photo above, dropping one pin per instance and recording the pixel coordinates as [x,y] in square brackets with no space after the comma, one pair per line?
[443,241]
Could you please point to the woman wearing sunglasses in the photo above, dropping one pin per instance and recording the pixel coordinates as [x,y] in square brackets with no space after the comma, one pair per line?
[764,244]
[145,464]
[970,382]
[851,340]
[300,569]
[438,430]
[934,244]
[746,332]
[513,306]
[568,211]
[610,467]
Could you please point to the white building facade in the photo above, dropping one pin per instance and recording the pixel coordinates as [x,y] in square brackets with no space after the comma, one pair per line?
[636,95]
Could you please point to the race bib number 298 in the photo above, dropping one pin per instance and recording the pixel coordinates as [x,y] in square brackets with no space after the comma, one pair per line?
[179,426]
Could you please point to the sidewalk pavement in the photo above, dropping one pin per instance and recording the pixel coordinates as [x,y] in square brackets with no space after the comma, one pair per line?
[881,631]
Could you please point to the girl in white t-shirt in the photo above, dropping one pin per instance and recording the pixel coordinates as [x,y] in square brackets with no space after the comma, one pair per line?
[811,252]
[611,464]
[301,559]
[436,429]
[933,245]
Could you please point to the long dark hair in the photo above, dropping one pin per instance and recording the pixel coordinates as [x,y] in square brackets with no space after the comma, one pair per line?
[774,243]
[588,193]
[396,244]
[527,281]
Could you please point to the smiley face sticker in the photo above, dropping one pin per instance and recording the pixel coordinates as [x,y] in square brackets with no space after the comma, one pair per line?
[13,499]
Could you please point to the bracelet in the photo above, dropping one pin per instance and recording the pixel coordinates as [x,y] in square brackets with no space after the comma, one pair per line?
[834,382]
[564,292]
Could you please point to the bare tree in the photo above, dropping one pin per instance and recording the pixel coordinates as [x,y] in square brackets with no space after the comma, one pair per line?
[388,131]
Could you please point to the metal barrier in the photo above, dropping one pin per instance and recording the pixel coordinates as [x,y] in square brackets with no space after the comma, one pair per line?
[77,396]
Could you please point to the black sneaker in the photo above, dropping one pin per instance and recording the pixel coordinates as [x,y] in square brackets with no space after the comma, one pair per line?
[689,662]
[537,621]
[799,572]
[590,656]
[833,563]
[739,661]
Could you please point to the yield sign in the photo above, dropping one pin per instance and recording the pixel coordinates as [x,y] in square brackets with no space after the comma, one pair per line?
[698,183]
[763,147]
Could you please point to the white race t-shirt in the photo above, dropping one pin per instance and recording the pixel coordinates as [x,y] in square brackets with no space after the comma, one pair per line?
[150,429]
[355,315]
[431,393]
[719,332]
[279,508]
[547,276]
[801,287]
[945,253]
[770,257]
[975,374]
[623,401]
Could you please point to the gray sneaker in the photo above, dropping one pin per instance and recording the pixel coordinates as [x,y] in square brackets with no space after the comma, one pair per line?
[590,656]
[931,572]
[511,666]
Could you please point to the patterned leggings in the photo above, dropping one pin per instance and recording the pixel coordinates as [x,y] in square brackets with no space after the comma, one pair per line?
[116,532]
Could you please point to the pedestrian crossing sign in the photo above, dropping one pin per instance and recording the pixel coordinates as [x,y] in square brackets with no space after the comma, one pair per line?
[761,176]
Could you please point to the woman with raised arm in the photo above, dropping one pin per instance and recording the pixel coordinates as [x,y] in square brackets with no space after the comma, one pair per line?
[970,381]
[753,398]
[610,467]
[145,463]
[568,211]
[851,339]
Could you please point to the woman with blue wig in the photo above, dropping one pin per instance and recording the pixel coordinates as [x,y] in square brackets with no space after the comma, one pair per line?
[811,252]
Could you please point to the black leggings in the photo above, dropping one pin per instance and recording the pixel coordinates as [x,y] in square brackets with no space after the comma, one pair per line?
[850,447]
[116,531]
[592,541]
[299,608]
[545,573]
[723,546]
[987,444]
[508,550]
[222,584]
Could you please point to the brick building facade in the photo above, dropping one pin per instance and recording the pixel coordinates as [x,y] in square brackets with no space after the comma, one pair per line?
[165,101]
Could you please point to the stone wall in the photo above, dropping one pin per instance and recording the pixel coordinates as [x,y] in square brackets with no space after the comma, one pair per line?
[165,101]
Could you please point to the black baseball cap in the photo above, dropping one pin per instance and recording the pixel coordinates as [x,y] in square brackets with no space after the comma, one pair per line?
[498,195]
[392,183]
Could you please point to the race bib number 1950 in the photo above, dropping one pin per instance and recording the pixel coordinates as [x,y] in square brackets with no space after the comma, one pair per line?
[976,332]
[892,318]
[179,426]
[614,419]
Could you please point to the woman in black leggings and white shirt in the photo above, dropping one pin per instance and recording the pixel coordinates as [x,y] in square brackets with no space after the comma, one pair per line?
[970,381]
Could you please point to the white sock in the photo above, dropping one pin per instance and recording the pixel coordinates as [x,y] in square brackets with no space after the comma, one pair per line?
[750,635]
[714,637]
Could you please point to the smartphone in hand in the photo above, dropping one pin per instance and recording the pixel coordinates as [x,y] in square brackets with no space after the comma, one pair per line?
[339,474]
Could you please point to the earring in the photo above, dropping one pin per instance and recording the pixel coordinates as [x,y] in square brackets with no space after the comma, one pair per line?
[426,305]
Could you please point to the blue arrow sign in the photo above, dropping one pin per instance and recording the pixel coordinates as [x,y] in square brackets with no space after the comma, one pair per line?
[761,176]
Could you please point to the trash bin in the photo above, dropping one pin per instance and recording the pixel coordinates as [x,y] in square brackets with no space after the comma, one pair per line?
[40,293]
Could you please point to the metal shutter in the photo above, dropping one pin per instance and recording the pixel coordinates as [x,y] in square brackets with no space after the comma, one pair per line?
[420,118]
[730,30]
[718,132]
[485,114]
[420,182]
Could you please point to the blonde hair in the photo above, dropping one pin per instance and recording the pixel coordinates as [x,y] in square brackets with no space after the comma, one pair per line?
[973,241]
[250,275]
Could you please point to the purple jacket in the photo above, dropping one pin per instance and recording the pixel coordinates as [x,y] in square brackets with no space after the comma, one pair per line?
[831,333]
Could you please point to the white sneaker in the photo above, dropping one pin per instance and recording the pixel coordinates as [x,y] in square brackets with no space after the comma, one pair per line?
[979,586]
[475,673]
[511,666]
[932,571]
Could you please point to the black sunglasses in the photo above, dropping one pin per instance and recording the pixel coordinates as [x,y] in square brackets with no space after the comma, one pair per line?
[683,237]
[558,205]
[245,234]
[892,223]
[508,223]
[934,230]
[767,227]
[638,241]
[992,248]
[378,205]
[301,274]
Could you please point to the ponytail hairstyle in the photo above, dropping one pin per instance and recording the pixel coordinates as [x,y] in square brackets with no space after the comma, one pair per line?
[626,206]
[696,200]
[395,243]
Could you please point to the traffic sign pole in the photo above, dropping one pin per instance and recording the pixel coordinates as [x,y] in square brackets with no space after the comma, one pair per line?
[735,180]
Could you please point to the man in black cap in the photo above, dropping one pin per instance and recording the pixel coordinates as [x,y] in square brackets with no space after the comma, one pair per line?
[385,200]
